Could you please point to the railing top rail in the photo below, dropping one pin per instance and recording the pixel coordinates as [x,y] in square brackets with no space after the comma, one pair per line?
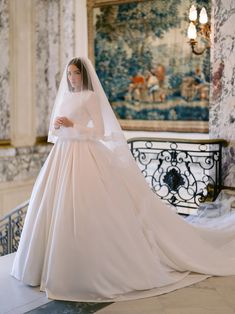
[14,210]
[178,140]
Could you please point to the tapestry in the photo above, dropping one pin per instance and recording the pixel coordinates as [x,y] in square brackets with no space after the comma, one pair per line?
[145,64]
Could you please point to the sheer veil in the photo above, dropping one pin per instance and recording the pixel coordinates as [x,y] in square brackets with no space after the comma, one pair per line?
[113,136]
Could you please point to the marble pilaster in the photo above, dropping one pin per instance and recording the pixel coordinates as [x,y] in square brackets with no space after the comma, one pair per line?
[67,24]
[41,65]
[47,65]
[54,70]
[222,108]
[4,71]
[54,46]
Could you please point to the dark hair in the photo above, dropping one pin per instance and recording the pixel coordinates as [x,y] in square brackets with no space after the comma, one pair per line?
[86,81]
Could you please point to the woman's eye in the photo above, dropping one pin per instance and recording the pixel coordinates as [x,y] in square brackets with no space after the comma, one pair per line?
[77,72]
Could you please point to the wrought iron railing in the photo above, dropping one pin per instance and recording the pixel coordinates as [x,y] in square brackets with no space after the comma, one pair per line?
[184,173]
[10,229]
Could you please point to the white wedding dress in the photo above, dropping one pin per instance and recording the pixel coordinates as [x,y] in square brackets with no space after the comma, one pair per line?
[94,230]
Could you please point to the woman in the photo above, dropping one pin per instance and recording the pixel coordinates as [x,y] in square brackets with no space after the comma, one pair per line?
[94,231]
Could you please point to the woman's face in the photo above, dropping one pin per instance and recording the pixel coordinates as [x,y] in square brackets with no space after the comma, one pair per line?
[74,77]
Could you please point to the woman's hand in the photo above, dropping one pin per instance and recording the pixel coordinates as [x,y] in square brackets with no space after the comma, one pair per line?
[62,121]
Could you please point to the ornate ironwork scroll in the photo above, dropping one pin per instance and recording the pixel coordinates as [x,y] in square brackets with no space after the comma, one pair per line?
[10,229]
[181,172]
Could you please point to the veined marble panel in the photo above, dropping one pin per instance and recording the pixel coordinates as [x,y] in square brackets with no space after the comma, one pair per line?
[22,163]
[41,65]
[222,111]
[67,38]
[54,46]
[4,71]
[54,71]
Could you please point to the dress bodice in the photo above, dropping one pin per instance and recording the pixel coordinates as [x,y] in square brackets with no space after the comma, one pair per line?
[74,108]
[83,110]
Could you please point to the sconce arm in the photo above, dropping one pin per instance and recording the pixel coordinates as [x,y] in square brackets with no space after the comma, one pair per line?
[193,44]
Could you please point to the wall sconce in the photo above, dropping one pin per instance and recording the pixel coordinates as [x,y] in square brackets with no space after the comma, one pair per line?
[202,29]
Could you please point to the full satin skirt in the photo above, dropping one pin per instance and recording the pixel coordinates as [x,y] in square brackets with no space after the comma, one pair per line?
[94,231]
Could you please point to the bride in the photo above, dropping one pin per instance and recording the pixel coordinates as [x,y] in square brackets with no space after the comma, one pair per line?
[94,231]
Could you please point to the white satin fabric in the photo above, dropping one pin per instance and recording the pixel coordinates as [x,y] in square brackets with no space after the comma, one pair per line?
[94,231]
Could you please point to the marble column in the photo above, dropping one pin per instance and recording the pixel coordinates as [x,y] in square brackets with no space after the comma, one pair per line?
[54,44]
[23,127]
[4,71]
[47,67]
[41,65]
[67,18]
[222,107]
[54,71]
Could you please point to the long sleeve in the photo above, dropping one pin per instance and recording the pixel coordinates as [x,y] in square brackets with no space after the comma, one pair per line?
[85,113]
[92,122]
[94,111]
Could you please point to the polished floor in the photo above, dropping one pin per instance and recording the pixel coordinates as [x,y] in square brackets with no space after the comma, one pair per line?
[14,296]
[56,307]
[211,296]
[215,295]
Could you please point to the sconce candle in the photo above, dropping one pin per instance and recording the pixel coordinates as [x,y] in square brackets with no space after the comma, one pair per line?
[203,19]
[193,13]
[203,28]
[192,32]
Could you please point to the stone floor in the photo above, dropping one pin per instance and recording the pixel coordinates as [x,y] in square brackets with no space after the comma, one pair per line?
[56,307]
[215,295]
[212,296]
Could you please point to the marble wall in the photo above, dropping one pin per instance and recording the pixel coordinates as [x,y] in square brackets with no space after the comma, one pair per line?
[4,71]
[54,45]
[43,34]
[67,31]
[22,163]
[222,106]
[18,169]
